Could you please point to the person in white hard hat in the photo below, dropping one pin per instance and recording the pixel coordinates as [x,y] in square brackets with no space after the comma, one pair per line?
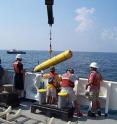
[94,80]
[18,78]
[18,56]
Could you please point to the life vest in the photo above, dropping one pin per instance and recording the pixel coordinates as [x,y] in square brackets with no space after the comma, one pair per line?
[66,81]
[95,77]
[18,67]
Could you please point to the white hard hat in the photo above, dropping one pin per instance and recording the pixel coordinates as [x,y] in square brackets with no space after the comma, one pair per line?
[94,65]
[18,56]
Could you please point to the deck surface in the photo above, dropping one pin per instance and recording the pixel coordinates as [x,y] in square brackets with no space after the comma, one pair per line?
[39,118]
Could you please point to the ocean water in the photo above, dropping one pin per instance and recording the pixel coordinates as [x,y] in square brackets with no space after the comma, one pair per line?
[79,62]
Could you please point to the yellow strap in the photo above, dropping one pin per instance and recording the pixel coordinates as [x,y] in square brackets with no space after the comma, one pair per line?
[42,90]
[62,94]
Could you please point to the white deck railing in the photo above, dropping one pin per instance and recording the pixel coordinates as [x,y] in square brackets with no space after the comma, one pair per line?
[80,89]
[108,92]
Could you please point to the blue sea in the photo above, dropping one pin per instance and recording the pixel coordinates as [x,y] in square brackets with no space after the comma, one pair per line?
[79,62]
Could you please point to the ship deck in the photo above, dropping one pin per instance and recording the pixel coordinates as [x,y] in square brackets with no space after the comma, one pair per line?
[27,117]
[109,91]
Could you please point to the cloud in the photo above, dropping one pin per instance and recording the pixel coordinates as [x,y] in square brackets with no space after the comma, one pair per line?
[109,34]
[84,19]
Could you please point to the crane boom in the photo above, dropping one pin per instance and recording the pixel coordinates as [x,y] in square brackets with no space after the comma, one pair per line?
[49,4]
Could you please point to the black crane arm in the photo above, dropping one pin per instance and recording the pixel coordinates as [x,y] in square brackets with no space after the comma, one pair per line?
[49,4]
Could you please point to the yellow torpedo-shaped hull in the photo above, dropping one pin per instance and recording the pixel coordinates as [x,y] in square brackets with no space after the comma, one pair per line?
[54,60]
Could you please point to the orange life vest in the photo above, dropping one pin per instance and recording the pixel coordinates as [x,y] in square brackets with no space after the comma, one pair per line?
[66,81]
[95,77]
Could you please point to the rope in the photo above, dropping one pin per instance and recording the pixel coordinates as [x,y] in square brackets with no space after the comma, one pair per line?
[50,33]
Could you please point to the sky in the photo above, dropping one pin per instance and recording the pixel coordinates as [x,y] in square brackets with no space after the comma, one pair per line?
[79,25]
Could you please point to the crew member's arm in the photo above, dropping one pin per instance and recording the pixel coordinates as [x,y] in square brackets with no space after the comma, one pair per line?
[90,80]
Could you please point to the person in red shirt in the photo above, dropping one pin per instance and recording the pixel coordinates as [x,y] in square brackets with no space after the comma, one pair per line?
[18,78]
[94,80]
[67,85]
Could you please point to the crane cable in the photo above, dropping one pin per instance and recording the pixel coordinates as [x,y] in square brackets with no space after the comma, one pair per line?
[50,46]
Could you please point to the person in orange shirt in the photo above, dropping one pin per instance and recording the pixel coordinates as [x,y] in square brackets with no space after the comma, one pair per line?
[67,85]
[94,80]
[19,74]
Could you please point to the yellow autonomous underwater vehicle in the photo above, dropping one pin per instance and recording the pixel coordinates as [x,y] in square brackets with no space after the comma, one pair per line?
[54,60]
